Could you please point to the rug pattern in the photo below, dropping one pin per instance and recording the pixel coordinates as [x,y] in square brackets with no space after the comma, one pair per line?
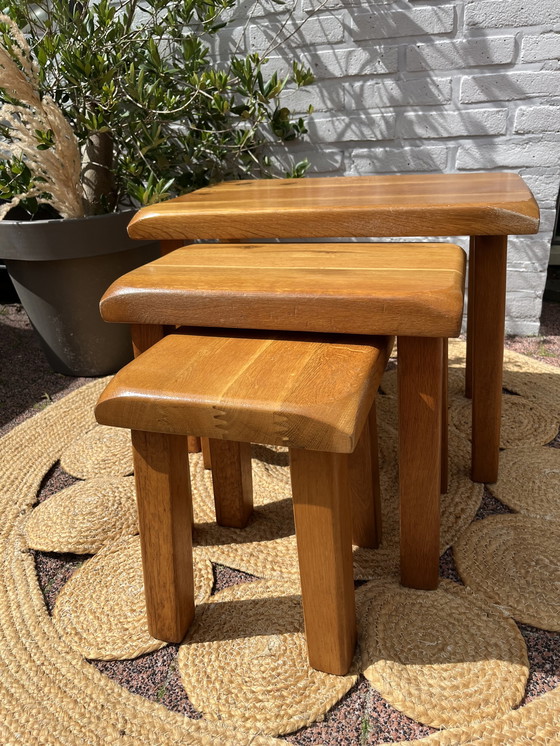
[249,637]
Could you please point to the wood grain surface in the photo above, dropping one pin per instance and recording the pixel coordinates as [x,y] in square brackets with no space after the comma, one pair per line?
[232,482]
[303,391]
[419,375]
[143,337]
[348,288]
[488,313]
[385,205]
[365,489]
[320,493]
[161,472]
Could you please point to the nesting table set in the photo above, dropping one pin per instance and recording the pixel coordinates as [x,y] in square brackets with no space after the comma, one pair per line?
[285,343]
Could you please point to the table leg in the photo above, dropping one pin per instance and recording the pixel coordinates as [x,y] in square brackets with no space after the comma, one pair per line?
[470,318]
[324,540]
[206,457]
[232,482]
[488,354]
[419,375]
[165,519]
[444,419]
[144,336]
[364,487]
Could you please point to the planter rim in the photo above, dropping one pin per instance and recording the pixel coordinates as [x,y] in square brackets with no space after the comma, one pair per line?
[66,238]
[58,221]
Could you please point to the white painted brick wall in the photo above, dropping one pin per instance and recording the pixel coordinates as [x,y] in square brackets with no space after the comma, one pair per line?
[393,93]
[444,55]
[510,152]
[341,128]
[398,160]
[343,62]
[317,30]
[426,86]
[543,182]
[453,124]
[530,119]
[540,48]
[510,86]
[386,23]
[514,13]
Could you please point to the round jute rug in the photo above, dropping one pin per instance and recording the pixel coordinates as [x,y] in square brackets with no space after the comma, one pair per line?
[453,666]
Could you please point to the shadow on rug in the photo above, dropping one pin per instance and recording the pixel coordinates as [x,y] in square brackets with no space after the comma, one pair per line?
[478,659]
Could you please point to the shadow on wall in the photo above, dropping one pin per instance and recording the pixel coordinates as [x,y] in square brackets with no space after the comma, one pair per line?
[389,97]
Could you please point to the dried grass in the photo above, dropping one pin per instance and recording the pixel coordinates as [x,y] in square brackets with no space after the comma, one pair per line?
[56,170]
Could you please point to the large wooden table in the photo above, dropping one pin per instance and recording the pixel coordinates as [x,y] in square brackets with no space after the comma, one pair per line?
[486,207]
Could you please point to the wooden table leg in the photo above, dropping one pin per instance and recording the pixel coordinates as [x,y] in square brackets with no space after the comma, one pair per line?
[324,539]
[165,518]
[488,354]
[364,487]
[470,318]
[444,419]
[144,336]
[419,372]
[193,444]
[232,482]
[206,457]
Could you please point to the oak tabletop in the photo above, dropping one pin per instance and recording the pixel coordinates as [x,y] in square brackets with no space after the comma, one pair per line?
[391,205]
[298,390]
[358,288]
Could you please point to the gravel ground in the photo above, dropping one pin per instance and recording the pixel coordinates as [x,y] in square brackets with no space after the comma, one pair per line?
[27,385]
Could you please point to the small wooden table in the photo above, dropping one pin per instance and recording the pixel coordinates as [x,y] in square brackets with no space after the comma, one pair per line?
[486,207]
[180,385]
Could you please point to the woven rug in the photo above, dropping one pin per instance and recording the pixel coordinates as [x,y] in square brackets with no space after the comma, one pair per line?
[478,660]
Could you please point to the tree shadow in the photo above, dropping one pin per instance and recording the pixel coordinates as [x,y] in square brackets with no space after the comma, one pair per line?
[368,83]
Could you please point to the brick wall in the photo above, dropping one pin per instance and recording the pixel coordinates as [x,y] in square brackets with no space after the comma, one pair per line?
[428,85]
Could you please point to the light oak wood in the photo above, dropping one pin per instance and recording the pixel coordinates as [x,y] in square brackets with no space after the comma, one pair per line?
[419,375]
[342,288]
[488,353]
[164,503]
[206,456]
[312,391]
[365,491]
[232,481]
[444,484]
[386,205]
[324,540]
[473,204]
[470,319]
[144,336]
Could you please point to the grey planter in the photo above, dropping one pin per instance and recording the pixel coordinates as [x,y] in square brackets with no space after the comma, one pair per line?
[60,269]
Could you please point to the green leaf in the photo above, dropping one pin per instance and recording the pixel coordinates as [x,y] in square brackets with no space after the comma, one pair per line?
[298,170]
[176,118]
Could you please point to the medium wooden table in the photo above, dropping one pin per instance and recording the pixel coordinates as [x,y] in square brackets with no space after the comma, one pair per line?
[337,288]
[486,207]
